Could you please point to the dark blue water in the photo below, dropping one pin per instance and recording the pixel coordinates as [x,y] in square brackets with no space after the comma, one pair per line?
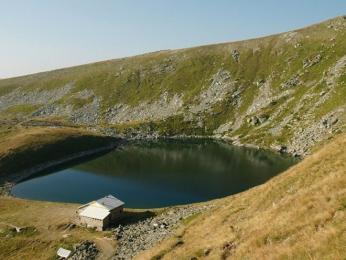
[159,173]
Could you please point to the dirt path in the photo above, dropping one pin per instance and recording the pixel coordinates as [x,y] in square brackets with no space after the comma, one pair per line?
[106,246]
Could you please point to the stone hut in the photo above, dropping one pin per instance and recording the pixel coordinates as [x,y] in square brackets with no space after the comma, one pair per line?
[101,213]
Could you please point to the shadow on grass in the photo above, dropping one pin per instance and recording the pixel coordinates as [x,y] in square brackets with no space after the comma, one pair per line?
[66,165]
[18,177]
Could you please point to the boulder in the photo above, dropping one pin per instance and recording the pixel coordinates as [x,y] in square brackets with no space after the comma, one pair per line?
[84,250]
[263,118]
[260,82]
[257,120]
[279,148]
[310,62]
[236,55]
[253,120]
[292,82]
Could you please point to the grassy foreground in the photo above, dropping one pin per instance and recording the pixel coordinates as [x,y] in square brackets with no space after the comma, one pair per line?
[46,229]
[300,214]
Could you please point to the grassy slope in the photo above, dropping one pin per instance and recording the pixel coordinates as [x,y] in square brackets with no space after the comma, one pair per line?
[300,214]
[145,78]
[23,148]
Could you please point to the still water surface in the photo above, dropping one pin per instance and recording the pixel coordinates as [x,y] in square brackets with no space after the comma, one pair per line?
[159,173]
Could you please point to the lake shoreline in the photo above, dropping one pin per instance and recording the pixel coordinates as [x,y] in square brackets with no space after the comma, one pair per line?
[161,170]
[280,149]
[10,181]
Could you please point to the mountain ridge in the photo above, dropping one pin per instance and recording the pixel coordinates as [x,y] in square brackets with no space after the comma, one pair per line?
[173,49]
[260,91]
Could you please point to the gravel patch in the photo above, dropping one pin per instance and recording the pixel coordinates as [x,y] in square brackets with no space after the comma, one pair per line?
[84,250]
[38,97]
[136,237]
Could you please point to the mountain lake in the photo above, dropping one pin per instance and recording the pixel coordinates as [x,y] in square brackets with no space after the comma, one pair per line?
[151,174]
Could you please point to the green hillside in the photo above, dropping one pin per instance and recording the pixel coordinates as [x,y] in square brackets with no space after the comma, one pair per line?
[284,91]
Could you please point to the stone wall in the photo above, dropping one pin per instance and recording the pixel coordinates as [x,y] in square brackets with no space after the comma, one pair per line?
[100,225]
[92,223]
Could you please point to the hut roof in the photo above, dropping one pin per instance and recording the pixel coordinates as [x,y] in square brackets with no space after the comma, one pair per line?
[94,212]
[110,202]
[101,208]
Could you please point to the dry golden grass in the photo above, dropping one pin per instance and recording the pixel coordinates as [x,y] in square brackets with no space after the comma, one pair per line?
[35,136]
[49,220]
[300,214]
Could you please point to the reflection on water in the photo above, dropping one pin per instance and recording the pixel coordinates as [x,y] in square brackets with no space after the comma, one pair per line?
[159,173]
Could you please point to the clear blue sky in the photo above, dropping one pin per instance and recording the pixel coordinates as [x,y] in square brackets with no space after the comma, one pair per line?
[38,35]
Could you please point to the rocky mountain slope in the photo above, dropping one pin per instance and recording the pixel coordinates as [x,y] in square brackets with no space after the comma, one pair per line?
[285,91]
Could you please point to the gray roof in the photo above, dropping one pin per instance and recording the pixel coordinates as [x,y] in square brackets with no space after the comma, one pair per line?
[110,202]
[101,208]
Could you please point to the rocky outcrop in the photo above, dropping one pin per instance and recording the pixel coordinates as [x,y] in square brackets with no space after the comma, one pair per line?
[305,137]
[53,110]
[5,188]
[224,128]
[84,250]
[221,85]
[290,37]
[236,55]
[87,114]
[337,24]
[136,237]
[33,97]
[292,82]
[164,107]
[257,120]
[311,62]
